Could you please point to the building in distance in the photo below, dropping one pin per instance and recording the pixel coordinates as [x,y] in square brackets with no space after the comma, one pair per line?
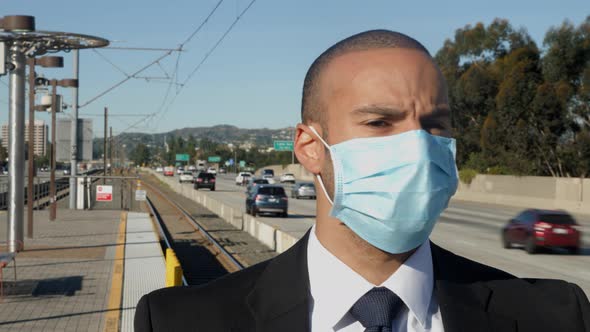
[40,137]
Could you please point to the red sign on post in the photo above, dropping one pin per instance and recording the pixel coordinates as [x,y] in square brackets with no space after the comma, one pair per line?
[104,193]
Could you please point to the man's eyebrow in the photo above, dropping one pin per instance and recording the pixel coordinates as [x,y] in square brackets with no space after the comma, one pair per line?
[389,111]
[386,111]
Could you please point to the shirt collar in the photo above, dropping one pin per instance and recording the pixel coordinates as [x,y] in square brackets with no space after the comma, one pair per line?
[335,287]
[413,282]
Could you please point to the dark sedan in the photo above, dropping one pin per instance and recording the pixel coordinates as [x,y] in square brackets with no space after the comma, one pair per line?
[267,198]
[204,180]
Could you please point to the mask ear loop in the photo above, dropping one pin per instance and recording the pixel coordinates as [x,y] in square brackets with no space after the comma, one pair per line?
[317,175]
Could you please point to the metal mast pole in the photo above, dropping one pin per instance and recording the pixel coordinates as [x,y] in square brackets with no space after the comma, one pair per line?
[74,133]
[52,193]
[104,158]
[31,175]
[16,150]
[111,149]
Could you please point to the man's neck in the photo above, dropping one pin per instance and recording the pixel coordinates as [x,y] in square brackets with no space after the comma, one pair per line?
[373,264]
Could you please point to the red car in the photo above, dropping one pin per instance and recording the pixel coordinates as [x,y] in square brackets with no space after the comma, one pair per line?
[542,228]
[168,171]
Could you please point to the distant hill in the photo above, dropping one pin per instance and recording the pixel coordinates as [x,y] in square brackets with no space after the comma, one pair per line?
[221,134]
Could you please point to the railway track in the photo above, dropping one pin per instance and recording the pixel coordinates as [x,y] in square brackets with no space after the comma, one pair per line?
[201,256]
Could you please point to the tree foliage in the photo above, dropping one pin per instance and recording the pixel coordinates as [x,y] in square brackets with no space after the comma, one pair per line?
[518,109]
[141,154]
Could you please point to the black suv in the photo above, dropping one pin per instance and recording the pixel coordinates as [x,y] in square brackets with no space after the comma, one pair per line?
[267,198]
[204,180]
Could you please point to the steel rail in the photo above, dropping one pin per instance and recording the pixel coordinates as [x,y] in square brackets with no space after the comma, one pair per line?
[237,265]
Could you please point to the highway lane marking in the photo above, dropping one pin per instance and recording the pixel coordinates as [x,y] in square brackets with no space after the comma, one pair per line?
[499,215]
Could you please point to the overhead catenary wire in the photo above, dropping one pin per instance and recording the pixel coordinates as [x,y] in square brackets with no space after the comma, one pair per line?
[174,79]
[165,106]
[154,49]
[200,64]
[217,43]
[125,79]
[194,33]
[110,62]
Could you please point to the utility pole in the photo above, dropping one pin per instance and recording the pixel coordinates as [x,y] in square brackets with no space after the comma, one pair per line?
[16,147]
[74,134]
[30,183]
[52,193]
[111,150]
[104,158]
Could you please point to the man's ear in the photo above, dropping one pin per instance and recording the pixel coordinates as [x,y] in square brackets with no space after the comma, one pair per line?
[308,148]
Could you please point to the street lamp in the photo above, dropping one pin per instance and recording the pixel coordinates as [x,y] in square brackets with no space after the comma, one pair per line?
[46,62]
[18,40]
[66,83]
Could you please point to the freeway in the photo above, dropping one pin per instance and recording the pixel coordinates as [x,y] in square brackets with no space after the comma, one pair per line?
[468,229]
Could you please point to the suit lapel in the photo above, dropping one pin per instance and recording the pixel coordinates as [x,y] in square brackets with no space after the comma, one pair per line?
[280,300]
[463,303]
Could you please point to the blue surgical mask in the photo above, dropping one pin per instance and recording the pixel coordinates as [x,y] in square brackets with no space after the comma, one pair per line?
[391,190]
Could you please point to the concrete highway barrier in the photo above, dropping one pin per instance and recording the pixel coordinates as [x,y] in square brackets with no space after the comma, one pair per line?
[542,192]
[271,236]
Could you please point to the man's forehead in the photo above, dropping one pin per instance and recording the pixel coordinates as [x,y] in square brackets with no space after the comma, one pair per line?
[408,71]
[392,56]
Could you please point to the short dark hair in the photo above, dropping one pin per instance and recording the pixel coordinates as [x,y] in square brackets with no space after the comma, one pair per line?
[372,39]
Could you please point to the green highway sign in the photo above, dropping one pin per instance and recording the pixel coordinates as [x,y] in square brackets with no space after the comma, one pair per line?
[283,145]
[242,163]
[214,159]
[182,157]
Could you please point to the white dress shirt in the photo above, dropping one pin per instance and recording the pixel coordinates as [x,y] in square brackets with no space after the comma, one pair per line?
[335,288]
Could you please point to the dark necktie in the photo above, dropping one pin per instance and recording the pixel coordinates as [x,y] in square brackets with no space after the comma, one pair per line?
[376,309]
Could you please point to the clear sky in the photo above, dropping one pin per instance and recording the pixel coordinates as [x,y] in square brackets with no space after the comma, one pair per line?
[254,78]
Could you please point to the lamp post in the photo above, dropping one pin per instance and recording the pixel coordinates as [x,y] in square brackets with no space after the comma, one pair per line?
[16,120]
[18,40]
[74,135]
[66,83]
[46,62]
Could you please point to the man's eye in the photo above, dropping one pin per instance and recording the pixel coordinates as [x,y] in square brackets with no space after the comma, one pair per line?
[378,123]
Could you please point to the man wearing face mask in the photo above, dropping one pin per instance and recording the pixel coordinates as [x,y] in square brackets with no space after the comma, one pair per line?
[376,133]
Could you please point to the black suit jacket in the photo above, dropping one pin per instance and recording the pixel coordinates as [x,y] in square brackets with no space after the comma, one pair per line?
[274,296]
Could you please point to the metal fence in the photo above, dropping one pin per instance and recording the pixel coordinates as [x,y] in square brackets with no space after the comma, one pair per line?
[120,193]
[40,190]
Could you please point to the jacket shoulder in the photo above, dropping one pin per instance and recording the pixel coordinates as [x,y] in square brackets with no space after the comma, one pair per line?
[536,304]
[449,266]
[540,303]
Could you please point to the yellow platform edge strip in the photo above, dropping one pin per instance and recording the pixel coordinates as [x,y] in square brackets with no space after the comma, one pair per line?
[113,315]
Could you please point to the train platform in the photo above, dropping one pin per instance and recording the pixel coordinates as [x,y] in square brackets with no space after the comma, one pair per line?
[85,271]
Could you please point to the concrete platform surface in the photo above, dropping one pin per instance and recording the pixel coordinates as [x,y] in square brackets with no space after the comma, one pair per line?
[63,275]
